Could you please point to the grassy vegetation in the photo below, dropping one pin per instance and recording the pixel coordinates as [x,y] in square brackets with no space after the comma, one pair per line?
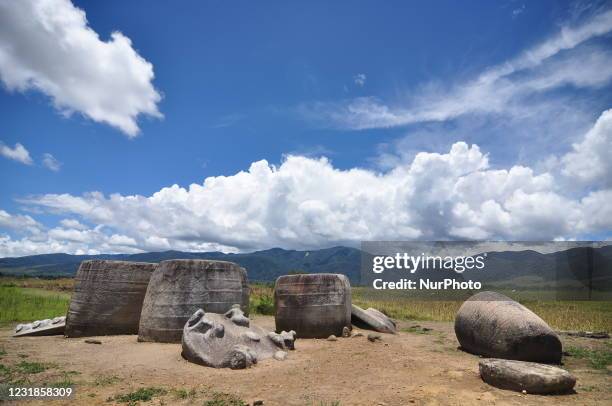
[224,399]
[262,299]
[28,299]
[26,367]
[20,373]
[28,304]
[140,395]
[597,358]
[59,284]
[106,380]
[561,315]
[184,393]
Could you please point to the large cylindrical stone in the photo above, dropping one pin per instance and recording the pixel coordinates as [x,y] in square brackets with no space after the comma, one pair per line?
[313,305]
[493,325]
[107,298]
[178,288]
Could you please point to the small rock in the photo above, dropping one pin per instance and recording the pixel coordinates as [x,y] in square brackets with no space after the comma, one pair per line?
[92,341]
[373,337]
[280,355]
[357,335]
[346,332]
[526,377]
[332,338]
[258,403]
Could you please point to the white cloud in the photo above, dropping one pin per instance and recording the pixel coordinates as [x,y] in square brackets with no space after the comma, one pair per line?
[360,79]
[19,223]
[47,45]
[50,162]
[72,223]
[513,88]
[590,161]
[308,203]
[19,153]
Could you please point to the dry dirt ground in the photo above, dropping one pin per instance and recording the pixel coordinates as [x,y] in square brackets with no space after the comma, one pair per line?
[404,369]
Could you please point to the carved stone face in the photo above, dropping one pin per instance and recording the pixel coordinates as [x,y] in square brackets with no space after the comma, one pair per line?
[229,340]
[53,326]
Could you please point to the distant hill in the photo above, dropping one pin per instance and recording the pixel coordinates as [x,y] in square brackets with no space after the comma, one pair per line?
[575,264]
[261,265]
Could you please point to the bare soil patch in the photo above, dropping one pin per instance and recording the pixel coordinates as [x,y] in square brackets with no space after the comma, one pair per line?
[413,367]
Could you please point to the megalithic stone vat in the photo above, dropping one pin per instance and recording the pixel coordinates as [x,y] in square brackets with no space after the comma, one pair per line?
[313,305]
[107,298]
[178,288]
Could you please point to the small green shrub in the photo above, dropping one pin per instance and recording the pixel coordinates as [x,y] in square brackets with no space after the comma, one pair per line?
[224,399]
[598,359]
[142,394]
[262,304]
[31,367]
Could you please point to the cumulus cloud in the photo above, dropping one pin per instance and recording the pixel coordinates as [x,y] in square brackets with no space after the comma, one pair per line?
[50,162]
[19,153]
[308,203]
[512,88]
[590,161]
[19,223]
[47,45]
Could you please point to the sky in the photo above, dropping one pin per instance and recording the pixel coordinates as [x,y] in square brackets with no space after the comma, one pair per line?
[238,126]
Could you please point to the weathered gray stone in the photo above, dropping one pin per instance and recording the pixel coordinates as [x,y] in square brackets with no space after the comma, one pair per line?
[47,327]
[107,298]
[346,332]
[284,339]
[280,355]
[372,319]
[332,338]
[313,305]
[180,287]
[224,341]
[374,337]
[357,335]
[493,325]
[521,376]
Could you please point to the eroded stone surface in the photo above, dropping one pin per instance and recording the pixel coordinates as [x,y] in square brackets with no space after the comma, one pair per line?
[493,325]
[313,305]
[372,319]
[107,298]
[47,327]
[230,341]
[521,376]
[180,287]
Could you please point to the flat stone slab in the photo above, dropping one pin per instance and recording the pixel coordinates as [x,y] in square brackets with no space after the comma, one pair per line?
[47,327]
[521,376]
[372,319]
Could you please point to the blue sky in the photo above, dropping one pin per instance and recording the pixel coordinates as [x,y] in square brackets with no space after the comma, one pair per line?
[391,120]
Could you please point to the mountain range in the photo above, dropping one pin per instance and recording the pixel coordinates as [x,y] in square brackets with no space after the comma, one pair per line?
[575,264]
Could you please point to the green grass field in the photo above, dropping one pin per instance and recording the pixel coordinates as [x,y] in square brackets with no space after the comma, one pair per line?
[29,304]
[27,299]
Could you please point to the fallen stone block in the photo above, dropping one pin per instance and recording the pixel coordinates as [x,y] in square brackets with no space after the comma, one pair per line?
[372,319]
[47,327]
[529,377]
[493,325]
